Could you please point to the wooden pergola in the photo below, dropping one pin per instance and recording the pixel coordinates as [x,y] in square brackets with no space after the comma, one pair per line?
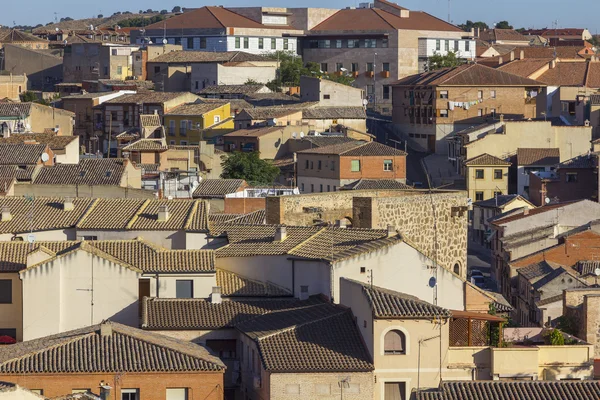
[468,328]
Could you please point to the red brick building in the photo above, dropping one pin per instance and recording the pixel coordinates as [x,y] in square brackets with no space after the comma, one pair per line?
[133,363]
[326,169]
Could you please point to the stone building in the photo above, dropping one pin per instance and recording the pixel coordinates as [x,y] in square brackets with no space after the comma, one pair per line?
[11,86]
[34,117]
[97,60]
[42,67]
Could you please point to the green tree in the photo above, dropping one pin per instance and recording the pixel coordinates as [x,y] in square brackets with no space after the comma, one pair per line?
[251,81]
[163,12]
[554,338]
[176,9]
[503,25]
[250,167]
[343,79]
[291,68]
[100,16]
[28,97]
[467,26]
[438,61]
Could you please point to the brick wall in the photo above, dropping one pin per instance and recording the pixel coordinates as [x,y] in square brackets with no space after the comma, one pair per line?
[201,386]
[243,205]
[308,386]
[372,168]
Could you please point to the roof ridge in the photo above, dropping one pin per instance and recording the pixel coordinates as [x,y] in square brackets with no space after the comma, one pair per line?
[133,219]
[87,212]
[191,214]
[296,247]
[209,9]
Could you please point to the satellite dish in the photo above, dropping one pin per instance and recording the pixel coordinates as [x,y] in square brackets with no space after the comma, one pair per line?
[149,41]
[31,238]
[597,272]
[469,201]
[301,135]
[91,27]
[547,200]
[432,282]
[294,135]
[56,29]
[165,41]
[365,102]
[45,157]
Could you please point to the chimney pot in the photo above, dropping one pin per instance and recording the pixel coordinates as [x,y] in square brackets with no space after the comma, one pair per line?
[215,296]
[163,213]
[68,204]
[522,55]
[105,329]
[6,215]
[500,60]
[391,231]
[280,233]
[341,223]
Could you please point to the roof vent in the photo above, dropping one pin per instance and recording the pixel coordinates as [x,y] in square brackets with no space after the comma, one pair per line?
[391,231]
[215,296]
[280,233]
[163,213]
[6,215]
[341,223]
[68,204]
[105,329]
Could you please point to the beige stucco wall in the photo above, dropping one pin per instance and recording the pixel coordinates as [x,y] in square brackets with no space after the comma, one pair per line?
[308,385]
[488,185]
[11,315]
[202,284]
[12,86]
[50,235]
[57,295]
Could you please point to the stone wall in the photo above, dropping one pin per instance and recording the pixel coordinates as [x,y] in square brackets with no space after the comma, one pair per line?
[414,217]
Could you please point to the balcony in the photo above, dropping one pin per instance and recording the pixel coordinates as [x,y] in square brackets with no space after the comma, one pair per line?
[369,74]
[385,74]
[355,74]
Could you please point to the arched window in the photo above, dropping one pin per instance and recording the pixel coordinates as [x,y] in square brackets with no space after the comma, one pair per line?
[457,269]
[394,342]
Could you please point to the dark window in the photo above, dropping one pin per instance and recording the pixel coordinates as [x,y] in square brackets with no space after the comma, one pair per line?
[478,174]
[237,42]
[246,42]
[184,289]
[12,332]
[129,394]
[319,164]
[307,164]
[571,177]
[203,43]
[190,43]
[395,342]
[354,67]
[386,66]
[157,70]
[324,67]
[478,196]
[5,291]
[497,174]
[386,92]
[260,43]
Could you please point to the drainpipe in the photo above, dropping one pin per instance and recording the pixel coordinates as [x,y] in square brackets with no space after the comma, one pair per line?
[157,290]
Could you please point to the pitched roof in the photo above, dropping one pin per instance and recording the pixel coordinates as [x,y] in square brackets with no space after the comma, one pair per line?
[374,184]
[317,338]
[232,89]
[217,188]
[522,390]
[21,154]
[234,285]
[525,67]
[109,348]
[17,36]
[467,75]
[327,140]
[536,270]
[267,112]
[194,108]
[146,145]
[54,141]
[538,156]
[374,19]
[500,201]
[486,159]
[582,161]
[389,304]
[519,214]
[355,149]
[254,131]
[184,56]
[334,113]
[15,110]
[573,73]
[89,171]
[146,97]
[493,35]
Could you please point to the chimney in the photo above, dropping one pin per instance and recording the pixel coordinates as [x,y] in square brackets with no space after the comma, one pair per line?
[105,329]
[68,204]
[501,118]
[552,64]
[512,55]
[526,211]
[522,55]
[280,234]
[341,223]
[404,13]
[6,215]
[500,60]
[163,213]
[215,296]
[105,390]
[391,231]
[304,292]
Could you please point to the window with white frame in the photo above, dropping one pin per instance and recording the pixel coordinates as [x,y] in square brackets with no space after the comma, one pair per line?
[129,394]
[394,342]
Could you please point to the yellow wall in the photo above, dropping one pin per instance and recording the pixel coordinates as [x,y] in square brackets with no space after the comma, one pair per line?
[11,315]
[488,185]
[205,120]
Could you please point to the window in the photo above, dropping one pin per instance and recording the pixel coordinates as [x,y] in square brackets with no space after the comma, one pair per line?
[354,67]
[493,112]
[447,45]
[480,94]
[443,113]
[386,92]
[338,44]
[285,44]
[184,289]
[467,46]
[443,94]
[129,394]
[246,43]
[329,188]
[12,332]
[333,165]
[183,128]
[388,165]
[321,188]
[302,187]
[292,389]
[323,389]
[479,174]
[237,42]
[273,44]
[456,45]
[371,43]
[306,164]
[386,67]
[190,43]
[323,67]
[369,67]
[492,94]
[352,43]
[384,42]
[438,45]
[177,394]
[339,66]
[217,119]
[5,291]
[260,43]
[394,342]
[183,143]
[203,43]
[571,178]
[478,196]
[480,112]
[370,89]
[497,193]
[319,164]
[312,188]
[498,174]
[355,165]
[395,391]
[312,165]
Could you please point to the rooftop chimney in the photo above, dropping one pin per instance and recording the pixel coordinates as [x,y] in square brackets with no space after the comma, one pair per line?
[526,211]
[68,204]
[163,213]
[341,223]
[404,13]
[215,296]
[391,231]
[6,215]
[522,55]
[304,292]
[512,55]
[105,329]
[280,234]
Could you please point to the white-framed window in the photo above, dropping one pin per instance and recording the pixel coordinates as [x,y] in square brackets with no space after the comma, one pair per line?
[388,165]
[129,394]
[443,113]
[394,342]
[217,119]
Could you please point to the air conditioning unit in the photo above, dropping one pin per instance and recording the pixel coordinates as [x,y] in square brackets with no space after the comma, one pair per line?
[257,382]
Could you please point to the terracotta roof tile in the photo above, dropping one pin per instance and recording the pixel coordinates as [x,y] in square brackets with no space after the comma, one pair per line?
[565,74]
[194,108]
[493,35]
[486,159]
[374,184]
[233,89]
[217,188]
[525,67]
[207,57]
[21,153]
[334,113]
[146,97]
[89,171]
[355,149]
[265,113]
[54,141]
[121,349]
[234,285]
[538,156]
[146,145]
[15,110]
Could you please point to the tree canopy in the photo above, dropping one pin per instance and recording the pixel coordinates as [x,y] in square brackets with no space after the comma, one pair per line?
[140,21]
[470,24]
[176,9]
[438,61]
[503,25]
[250,167]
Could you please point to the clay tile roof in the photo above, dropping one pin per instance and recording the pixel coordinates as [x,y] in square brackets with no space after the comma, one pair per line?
[522,390]
[13,254]
[467,75]
[266,112]
[355,149]
[374,19]
[174,314]
[15,110]
[121,349]
[536,270]
[565,74]
[486,159]
[321,141]
[89,171]
[492,35]
[334,113]
[538,156]
[146,145]
[232,89]
[185,56]
[21,153]
[525,67]
[318,338]
[234,285]
[388,304]
[17,36]
[77,396]
[193,109]
[593,77]
[374,184]
[217,188]
[583,161]
[54,141]
[146,97]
